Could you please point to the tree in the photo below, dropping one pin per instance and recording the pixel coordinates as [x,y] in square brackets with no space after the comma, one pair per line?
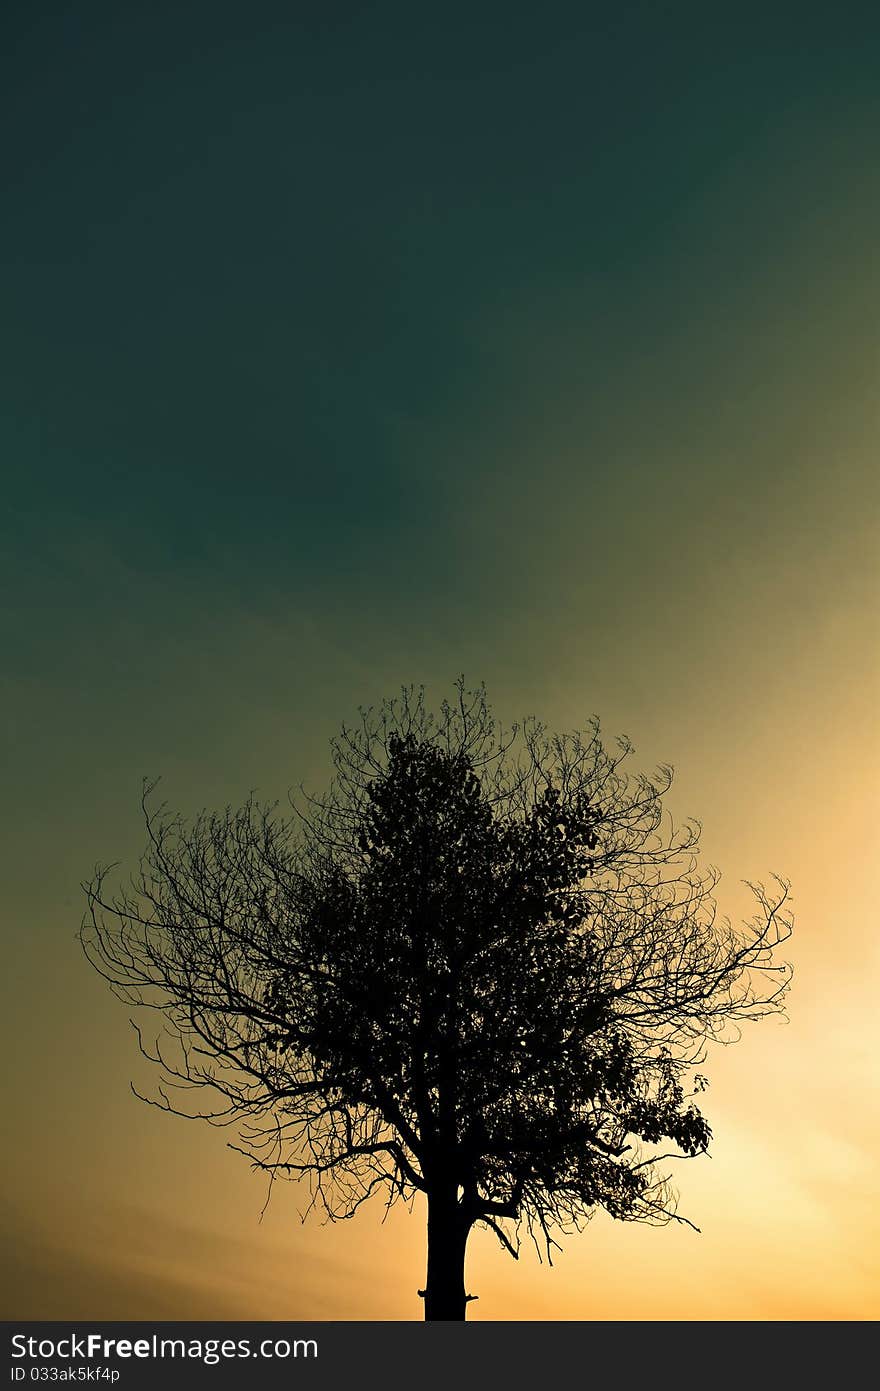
[483,967]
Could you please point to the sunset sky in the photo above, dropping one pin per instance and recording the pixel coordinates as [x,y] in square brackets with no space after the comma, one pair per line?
[348,346]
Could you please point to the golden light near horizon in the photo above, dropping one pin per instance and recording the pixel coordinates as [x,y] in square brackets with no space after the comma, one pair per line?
[783,1204]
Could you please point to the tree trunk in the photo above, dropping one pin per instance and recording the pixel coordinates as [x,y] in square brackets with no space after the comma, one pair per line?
[444,1292]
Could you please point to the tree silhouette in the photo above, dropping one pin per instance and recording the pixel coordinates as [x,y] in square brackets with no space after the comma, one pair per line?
[484,967]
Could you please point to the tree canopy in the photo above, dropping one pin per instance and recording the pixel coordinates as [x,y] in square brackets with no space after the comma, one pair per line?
[484,966]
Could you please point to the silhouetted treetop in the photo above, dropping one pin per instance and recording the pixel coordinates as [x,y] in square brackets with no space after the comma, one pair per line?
[483,966]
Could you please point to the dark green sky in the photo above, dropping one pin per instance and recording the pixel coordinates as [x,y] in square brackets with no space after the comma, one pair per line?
[351,345]
[347,349]
[279,288]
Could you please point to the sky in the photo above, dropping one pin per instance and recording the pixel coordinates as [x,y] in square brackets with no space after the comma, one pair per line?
[357,346]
